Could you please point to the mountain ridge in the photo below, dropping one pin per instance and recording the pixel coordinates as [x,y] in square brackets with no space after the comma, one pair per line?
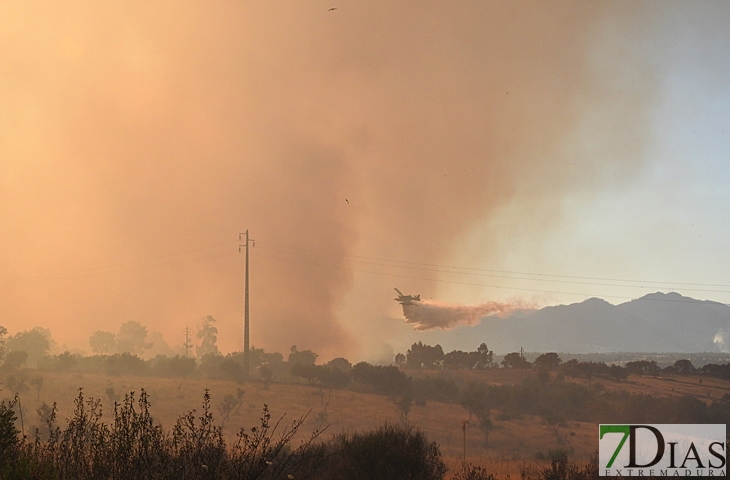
[657,322]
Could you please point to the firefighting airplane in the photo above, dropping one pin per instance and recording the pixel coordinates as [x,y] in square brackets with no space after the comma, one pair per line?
[407,299]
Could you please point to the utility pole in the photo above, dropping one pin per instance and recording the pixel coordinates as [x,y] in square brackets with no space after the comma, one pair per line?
[187,341]
[246,355]
[464,423]
[522,361]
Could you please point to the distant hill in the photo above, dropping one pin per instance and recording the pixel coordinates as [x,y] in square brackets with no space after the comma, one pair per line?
[658,322]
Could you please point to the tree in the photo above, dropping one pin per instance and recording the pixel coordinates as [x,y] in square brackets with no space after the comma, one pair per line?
[310,372]
[484,357]
[226,406]
[425,356]
[333,377]
[400,359]
[404,403]
[617,372]
[457,360]
[255,356]
[66,361]
[16,384]
[208,335]
[274,361]
[232,369]
[305,357]
[570,368]
[125,364]
[161,347]
[102,342]
[515,360]
[684,367]
[47,417]
[324,375]
[474,398]
[177,366]
[388,380]
[548,361]
[210,365]
[131,338]
[341,364]
[643,367]
[15,359]
[36,342]
[485,423]
[480,359]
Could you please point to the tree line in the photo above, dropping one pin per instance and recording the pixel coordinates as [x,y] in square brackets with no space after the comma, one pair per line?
[425,374]
[32,347]
[426,357]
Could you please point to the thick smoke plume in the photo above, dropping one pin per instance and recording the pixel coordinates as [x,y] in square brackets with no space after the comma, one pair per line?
[132,130]
[428,315]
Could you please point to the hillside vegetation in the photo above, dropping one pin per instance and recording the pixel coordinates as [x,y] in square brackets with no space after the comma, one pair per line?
[512,418]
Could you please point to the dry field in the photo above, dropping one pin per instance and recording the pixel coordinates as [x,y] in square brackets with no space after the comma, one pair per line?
[705,389]
[514,445]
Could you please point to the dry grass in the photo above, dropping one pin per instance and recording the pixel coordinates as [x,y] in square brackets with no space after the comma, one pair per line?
[346,411]
[493,376]
[706,389]
[514,445]
[503,468]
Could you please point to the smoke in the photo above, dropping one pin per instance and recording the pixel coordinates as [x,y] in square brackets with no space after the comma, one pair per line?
[429,315]
[722,340]
[133,130]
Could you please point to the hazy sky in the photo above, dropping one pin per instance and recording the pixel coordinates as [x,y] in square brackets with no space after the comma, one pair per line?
[556,150]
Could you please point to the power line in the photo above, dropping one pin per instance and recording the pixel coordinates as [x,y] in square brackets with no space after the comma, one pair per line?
[119,268]
[403,264]
[395,275]
[455,271]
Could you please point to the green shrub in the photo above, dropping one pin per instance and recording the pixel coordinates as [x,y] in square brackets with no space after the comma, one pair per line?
[126,364]
[8,432]
[132,445]
[392,452]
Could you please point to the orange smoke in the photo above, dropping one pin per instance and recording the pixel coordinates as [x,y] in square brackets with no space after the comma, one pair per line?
[131,130]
